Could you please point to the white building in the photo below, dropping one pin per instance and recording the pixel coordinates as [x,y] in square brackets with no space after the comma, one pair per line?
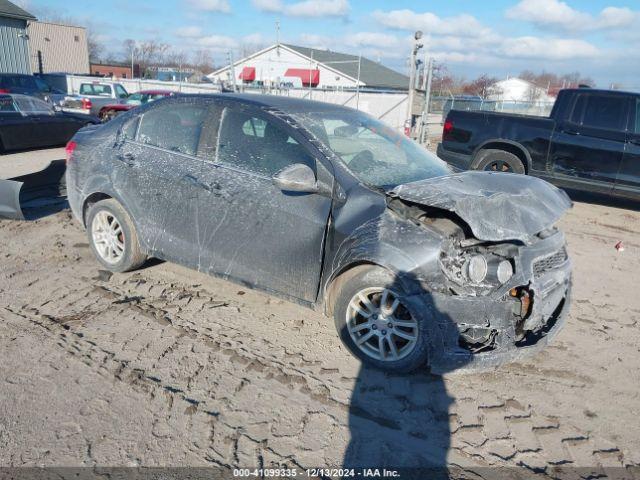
[518,90]
[309,67]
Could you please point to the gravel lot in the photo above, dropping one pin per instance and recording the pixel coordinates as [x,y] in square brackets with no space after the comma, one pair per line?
[169,367]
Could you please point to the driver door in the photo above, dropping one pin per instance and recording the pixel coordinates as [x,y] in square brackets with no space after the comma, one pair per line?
[249,230]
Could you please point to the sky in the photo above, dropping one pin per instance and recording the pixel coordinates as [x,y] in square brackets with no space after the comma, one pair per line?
[599,38]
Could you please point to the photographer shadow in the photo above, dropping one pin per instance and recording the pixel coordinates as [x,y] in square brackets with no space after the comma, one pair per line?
[401,421]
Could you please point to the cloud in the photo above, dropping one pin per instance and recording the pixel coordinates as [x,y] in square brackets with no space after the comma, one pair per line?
[210,5]
[189,32]
[555,14]
[216,42]
[462,25]
[371,39]
[306,8]
[547,48]
[269,6]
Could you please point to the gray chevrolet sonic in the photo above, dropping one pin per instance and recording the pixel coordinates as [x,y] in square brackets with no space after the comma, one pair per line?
[330,208]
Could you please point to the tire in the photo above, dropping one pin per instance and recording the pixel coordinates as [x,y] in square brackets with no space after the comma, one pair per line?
[117,250]
[372,281]
[498,161]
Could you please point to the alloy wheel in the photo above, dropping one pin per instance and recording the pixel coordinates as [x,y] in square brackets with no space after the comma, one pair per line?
[108,237]
[498,166]
[380,325]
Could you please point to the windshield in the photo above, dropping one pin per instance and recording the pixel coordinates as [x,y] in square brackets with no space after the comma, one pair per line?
[142,98]
[373,152]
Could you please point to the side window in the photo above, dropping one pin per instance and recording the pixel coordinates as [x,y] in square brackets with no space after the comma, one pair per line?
[130,128]
[7,105]
[578,109]
[86,89]
[605,111]
[256,144]
[173,126]
[120,91]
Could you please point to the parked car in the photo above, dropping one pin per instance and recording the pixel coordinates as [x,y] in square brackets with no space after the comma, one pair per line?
[92,96]
[29,122]
[109,112]
[330,208]
[591,142]
[28,85]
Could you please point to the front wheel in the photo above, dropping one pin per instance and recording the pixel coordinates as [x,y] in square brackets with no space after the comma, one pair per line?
[113,237]
[378,323]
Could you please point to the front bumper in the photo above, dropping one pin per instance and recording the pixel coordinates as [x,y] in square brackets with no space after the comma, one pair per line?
[513,336]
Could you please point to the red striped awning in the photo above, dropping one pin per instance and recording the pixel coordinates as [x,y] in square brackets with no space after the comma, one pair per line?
[307,76]
[248,74]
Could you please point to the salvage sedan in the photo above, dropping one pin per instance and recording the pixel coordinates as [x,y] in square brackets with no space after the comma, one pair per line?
[328,207]
[28,122]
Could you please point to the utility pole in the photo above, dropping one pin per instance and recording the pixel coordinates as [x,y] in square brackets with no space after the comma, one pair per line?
[412,77]
[233,69]
[424,133]
[358,83]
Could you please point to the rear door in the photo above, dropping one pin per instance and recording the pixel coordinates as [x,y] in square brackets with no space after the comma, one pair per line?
[629,177]
[587,148]
[250,230]
[157,169]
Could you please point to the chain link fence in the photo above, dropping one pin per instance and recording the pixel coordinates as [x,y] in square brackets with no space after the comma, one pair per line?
[443,105]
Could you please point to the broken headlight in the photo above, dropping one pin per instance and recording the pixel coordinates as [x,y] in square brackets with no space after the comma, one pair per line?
[477,269]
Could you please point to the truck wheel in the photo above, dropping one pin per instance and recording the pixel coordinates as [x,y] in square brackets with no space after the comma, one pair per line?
[113,237]
[378,323]
[498,161]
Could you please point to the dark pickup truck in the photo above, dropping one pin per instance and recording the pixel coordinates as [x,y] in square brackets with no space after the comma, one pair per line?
[591,141]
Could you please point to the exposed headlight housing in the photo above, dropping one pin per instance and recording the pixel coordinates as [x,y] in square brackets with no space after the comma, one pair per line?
[477,269]
[505,271]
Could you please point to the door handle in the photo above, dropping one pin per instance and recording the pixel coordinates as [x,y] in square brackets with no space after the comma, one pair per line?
[571,132]
[127,158]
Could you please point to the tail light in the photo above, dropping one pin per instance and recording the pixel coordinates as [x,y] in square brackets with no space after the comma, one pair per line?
[447,130]
[69,149]
[4,90]
[86,104]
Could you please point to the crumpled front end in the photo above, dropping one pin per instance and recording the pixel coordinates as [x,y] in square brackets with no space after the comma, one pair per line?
[518,318]
[502,286]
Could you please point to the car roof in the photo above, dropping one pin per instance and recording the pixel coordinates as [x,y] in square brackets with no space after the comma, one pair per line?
[602,90]
[285,104]
[156,92]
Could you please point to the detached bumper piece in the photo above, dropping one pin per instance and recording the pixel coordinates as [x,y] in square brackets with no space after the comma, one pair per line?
[33,190]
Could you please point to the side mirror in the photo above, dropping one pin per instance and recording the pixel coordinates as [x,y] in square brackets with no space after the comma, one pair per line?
[296,178]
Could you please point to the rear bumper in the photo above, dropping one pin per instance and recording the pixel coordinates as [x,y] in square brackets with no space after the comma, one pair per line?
[458,161]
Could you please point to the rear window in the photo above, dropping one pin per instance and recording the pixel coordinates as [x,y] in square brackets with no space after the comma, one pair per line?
[174,127]
[95,89]
[607,112]
[18,81]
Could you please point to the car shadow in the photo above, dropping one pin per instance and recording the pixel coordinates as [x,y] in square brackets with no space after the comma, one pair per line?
[42,193]
[603,199]
[401,421]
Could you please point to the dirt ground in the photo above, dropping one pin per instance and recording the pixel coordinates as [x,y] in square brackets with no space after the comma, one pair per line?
[168,367]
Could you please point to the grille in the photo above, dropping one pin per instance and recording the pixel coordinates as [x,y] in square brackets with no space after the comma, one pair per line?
[551,262]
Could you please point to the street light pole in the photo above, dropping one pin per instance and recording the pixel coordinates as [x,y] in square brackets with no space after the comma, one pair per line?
[412,77]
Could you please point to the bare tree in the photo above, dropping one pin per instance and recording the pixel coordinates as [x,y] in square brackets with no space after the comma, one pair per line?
[202,61]
[146,54]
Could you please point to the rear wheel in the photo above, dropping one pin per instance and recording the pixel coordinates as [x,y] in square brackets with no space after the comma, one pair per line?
[377,322]
[113,237]
[498,161]
[108,116]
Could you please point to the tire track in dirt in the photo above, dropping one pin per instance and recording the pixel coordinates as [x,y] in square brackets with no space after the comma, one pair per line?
[493,431]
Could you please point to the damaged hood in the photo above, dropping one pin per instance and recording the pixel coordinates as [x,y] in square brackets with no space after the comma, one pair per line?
[496,206]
